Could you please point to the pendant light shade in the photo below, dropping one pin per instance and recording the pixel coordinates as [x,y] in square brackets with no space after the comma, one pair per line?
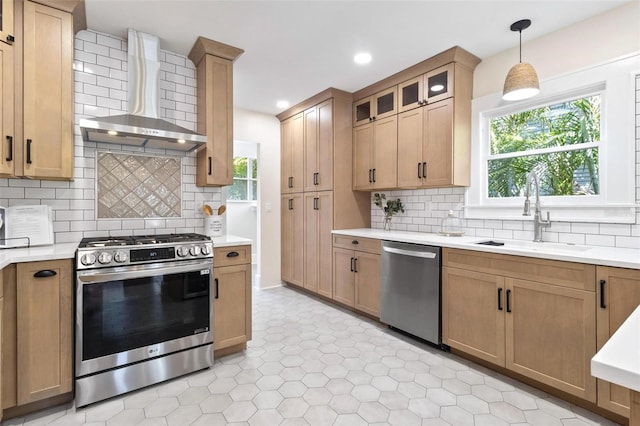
[522,80]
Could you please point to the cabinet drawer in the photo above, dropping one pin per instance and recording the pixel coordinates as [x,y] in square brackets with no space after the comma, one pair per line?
[368,245]
[233,255]
[565,274]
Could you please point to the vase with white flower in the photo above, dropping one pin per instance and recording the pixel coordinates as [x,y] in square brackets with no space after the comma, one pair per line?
[389,207]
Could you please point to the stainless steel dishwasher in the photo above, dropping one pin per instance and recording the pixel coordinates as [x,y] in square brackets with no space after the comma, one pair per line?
[410,289]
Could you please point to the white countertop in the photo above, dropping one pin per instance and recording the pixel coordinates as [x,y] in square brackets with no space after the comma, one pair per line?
[68,250]
[619,359]
[606,256]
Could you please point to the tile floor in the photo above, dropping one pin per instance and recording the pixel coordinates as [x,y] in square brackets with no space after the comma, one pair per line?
[311,363]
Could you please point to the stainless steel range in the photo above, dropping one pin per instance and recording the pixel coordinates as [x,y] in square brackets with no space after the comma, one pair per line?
[144,312]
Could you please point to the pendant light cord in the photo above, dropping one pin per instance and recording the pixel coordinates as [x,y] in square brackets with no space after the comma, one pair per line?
[520,32]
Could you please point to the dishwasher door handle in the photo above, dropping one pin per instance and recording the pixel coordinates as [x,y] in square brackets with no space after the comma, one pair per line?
[423,254]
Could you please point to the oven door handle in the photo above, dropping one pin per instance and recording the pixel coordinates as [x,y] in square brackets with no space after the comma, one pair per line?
[147,271]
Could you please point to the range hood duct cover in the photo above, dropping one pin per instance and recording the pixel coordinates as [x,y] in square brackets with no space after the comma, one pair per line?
[141,126]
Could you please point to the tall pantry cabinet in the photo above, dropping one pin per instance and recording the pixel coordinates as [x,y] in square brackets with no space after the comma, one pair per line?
[316,188]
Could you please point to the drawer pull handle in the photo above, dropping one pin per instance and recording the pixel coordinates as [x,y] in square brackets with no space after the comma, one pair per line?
[602,304]
[355,242]
[215,280]
[45,273]
[10,146]
[355,264]
[508,300]
[351,265]
[499,298]
[233,254]
[29,151]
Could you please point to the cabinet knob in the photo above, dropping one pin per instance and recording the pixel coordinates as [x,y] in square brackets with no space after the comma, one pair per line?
[355,242]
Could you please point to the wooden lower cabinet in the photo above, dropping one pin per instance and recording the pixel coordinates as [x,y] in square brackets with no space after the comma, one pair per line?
[292,238]
[37,332]
[618,295]
[356,273]
[231,296]
[1,313]
[515,319]
[318,223]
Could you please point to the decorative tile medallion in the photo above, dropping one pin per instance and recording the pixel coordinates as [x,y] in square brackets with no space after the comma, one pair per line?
[138,186]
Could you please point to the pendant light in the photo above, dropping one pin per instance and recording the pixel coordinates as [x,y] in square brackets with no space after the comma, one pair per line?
[522,80]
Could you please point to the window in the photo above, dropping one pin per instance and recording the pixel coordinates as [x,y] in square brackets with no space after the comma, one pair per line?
[577,135]
[559,142]
[245,180]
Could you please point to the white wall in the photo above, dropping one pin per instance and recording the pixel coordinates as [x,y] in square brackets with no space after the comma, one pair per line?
[265,130]
[241,217]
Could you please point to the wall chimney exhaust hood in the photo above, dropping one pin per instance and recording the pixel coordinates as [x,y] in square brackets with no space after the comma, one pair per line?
[142,126]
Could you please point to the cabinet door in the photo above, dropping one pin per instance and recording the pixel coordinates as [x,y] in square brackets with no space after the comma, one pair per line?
[6,26]
[385,103]
[473,313]
[286,134]
[438,84]
[410,125]
[410,94]
[438,143]
[297,154]
[385,145]
[550,335]
[318,217]
[292,238]
[6,109]
[231,305]
[44,329]
[311,235]
[362,111]
[343,279]
[310,148]
[324,179]
[618,296]
[367,283]
[48,92]
[362,157]
[215,118]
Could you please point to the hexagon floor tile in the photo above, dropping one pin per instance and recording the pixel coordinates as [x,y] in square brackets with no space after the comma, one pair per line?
[313,363]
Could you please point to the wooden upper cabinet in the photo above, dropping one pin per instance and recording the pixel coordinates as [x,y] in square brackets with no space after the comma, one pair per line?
[382,104]
[428,88]
[292,154]
[7,145]
[214,64]
[375,154]
[618,295]
[44,330]
[6,21]
[318,147]
[47,92]
[437,150]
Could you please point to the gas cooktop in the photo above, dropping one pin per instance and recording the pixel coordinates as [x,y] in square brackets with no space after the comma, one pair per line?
[135,240]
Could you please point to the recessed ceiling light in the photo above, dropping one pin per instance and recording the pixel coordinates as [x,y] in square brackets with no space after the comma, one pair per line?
[282,104]
[362,58]
[181,141]
[112,132]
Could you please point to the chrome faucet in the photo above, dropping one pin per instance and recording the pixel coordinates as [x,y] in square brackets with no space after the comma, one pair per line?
[538,222]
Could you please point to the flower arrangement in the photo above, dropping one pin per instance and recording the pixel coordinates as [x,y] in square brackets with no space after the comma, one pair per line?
[389,207]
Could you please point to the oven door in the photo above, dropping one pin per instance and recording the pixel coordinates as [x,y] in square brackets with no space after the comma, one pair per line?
[129,314]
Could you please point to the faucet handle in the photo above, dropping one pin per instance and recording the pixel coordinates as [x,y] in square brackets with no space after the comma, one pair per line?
[527,205]
[547,221]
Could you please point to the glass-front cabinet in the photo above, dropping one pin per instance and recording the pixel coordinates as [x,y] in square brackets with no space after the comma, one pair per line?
[428,88]
[6,21]
[382,104]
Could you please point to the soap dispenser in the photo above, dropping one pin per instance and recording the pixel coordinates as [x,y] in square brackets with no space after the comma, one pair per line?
[451,225]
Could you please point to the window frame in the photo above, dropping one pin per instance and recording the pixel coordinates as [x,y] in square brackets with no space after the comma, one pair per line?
[615,82]
[248,181]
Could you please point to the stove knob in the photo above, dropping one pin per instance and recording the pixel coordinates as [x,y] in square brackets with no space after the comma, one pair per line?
[183,251]
[104,257]
[120,256]
[205,250]
[194,251]
[88,259]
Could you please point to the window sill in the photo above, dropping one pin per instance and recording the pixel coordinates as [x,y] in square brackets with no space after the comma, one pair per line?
[585,214]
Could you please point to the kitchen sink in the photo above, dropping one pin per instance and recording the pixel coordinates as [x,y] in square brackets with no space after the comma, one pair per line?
[533,246]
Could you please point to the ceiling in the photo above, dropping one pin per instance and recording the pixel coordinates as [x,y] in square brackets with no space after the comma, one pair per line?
[295,49]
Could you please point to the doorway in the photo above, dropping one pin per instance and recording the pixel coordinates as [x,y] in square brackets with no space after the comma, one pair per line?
[242,200]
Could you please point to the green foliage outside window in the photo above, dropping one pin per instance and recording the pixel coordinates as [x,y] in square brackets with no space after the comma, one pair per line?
[558,133]
[245,185]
